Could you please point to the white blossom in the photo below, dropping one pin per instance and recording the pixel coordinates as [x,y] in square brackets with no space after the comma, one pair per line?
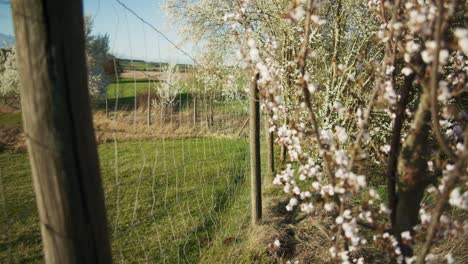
[406,235]
[431,258]
[406,71]
[449,258]
[459,200]
[277,243]
[328,207]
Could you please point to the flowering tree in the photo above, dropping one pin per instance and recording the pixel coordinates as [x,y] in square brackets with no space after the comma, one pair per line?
[9,79]
[216,81]
[353,83]
[168,89]
[97,55]
[395,101]
[97,59]
[219,76]
[97,79]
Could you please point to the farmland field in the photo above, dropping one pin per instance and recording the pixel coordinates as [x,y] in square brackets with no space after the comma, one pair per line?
[167,200]
[138,65]
[126,88]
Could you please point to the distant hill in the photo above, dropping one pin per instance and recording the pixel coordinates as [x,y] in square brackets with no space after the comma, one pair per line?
[6,40]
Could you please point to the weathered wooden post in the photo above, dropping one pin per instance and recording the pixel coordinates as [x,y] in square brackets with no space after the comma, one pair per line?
[270,148]
[148,117]
[107,105]
[134,101]
[255,170]
[58,126]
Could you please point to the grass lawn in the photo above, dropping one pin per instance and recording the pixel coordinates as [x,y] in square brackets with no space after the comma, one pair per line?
[126,88]
[126,94]
[178,200]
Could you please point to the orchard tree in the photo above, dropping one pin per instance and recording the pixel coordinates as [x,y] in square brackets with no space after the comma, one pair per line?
[99,61]
[9,79]
[168,90]
[97,56]
[211,80]
[404,115]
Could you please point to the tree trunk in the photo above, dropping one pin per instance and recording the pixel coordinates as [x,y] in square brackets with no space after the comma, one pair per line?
[391,172]
[211,114]
[255,170]
[412,168]
[58,124]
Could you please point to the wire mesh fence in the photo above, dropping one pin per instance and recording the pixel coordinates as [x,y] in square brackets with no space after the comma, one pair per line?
[189,114]
[174,159]
[176,187]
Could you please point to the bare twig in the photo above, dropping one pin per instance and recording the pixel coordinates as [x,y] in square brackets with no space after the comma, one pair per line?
[434,85]
[301,62]
[449,185]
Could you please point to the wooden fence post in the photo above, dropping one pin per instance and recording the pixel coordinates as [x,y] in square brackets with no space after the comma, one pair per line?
[255,169]
[270,148]
[58,127]
[107,105]
[148,117]
[134,101]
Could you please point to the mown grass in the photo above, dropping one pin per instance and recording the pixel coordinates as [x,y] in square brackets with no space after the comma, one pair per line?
[126,89]
[125,92]
[178,200]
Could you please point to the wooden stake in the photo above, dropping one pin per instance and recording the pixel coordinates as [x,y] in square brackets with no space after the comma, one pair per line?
[270,149]
[58,126]
[255,170]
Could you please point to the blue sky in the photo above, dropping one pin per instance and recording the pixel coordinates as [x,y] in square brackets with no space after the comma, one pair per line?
[129,37]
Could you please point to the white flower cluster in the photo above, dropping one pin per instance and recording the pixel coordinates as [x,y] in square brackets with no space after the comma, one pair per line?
[284,177]
[309,170]
[298,12]
[419,16]
[290,138]
[9,78]
[457,199]
[424,216]
[462,36]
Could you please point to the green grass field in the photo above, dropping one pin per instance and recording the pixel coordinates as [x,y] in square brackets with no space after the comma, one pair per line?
[170,201]
[126,96]
[126,89]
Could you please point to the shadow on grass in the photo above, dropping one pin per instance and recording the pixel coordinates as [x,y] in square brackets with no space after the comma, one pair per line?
[202,235]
